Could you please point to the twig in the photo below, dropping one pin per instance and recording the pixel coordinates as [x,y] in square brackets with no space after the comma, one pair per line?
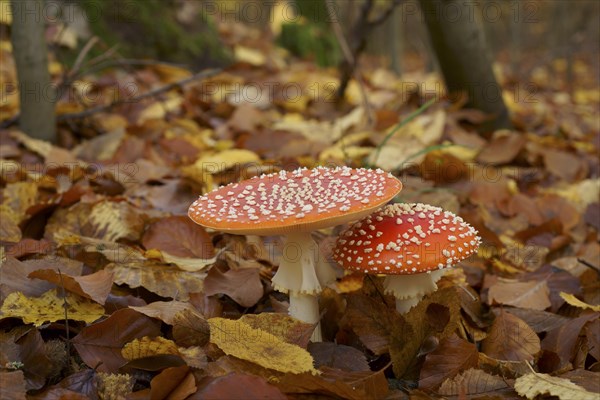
[350,59]
[358,35]
[70,75]
[65,306]
[81,56]
[588,264]
[152,93]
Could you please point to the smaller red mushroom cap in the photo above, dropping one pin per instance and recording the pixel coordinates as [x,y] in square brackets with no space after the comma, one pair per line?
[404,239]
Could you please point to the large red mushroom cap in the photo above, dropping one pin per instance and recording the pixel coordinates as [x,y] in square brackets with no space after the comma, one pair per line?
[406,239]
[299,201]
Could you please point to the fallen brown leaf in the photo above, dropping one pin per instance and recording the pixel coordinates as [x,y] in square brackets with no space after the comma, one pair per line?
[13,385]
[562,340]
[179,236]
[166,311]
[190,329]
[95,286]
[539,321]
[100,344]
[473,382]
[164,280]
[338,356]
[503,148]
[175,383]
[238,386]
[373,322]
[37,365]
[529,294]
[452,356]
[242,285]
[14,274]
[511,339]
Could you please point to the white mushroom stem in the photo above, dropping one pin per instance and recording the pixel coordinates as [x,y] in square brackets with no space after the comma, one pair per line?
[410,289]
[303,274]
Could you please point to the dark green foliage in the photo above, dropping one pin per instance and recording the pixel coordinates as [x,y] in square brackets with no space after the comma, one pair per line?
[310,35]
[149,29]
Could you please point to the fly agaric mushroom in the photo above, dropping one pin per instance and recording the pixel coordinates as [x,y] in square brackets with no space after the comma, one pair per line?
[294,204]
[413,244]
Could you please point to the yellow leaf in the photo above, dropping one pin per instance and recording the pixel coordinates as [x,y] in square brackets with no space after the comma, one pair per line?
[20,196]
[147,346]
[153,253]
[188,264]
[463,153]
[248,55]
[574,301]
[347,148]
[240,340]
[193,356]
[534,384]
[219,162]
[49,307]
[505,267]
[580,194]
[171,73]
[159,109]
[116,220]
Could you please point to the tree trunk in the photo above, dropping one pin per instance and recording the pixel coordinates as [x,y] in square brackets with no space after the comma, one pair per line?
[36,93]
[463,58]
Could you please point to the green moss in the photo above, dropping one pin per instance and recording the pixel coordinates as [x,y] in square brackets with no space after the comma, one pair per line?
[308,40]
[148,29]
[311,35]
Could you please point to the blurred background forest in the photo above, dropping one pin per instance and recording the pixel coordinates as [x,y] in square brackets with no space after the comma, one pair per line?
[532,45]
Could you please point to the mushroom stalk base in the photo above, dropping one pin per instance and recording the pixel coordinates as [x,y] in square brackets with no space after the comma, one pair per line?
[302,273]
[410,289]
[306,308]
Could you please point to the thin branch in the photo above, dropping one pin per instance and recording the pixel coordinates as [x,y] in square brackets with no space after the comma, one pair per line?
[200,75]
[350,59]
[358,39]
[100,65]
[588,264]
[82,54]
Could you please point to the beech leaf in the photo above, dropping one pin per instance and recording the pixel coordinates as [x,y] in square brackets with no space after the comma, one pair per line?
[574,301]
[472,382]
[452,356]
[95,286]
[242,285]
[100,344]
[239,339]
[166,311]
[50,307]
[536,384]
[511,339]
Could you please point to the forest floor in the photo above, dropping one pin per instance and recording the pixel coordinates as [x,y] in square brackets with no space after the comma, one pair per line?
[96,230]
